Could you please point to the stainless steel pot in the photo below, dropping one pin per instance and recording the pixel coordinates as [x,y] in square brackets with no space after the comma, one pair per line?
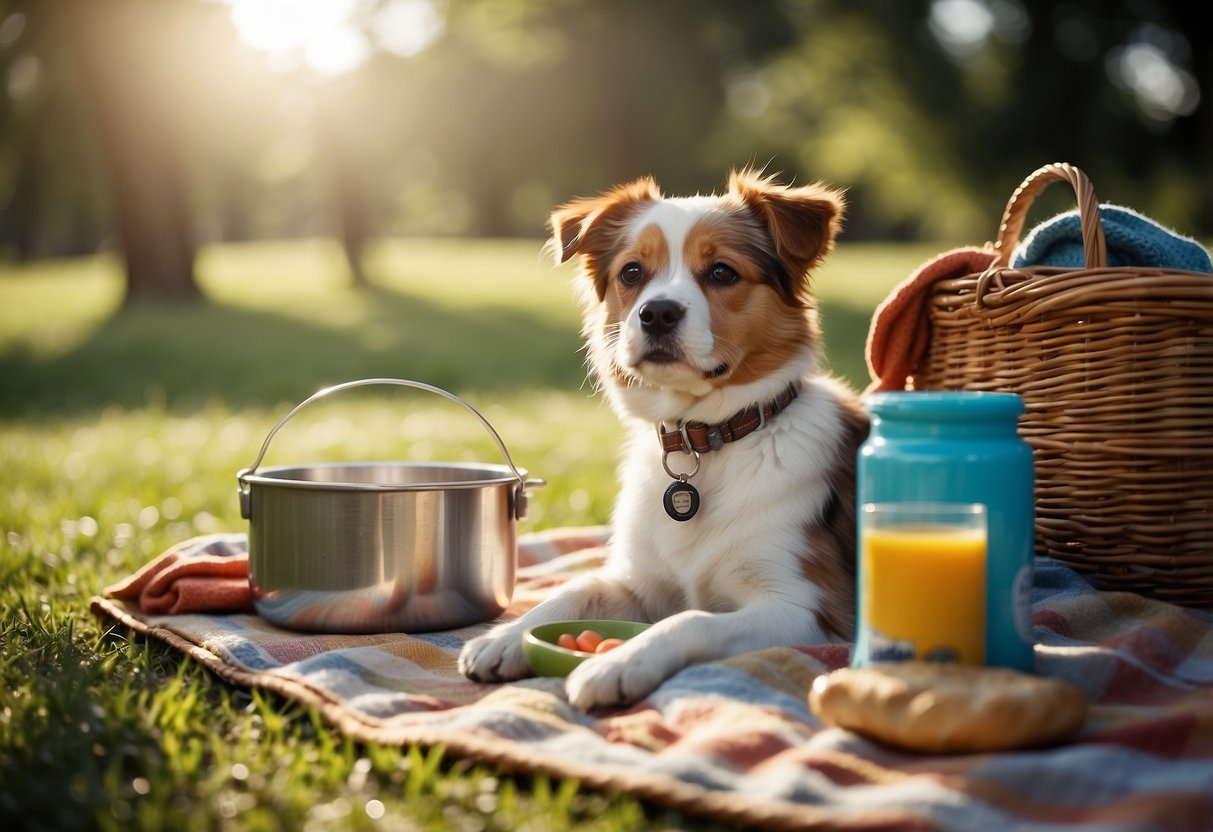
[382,546]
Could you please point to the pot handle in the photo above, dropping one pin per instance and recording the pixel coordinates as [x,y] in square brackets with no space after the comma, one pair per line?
[520,499]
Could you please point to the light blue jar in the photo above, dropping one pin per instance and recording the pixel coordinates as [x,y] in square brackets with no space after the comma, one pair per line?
[961,447]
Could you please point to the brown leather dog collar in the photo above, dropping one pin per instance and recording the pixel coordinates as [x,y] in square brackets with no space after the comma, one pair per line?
[698,437]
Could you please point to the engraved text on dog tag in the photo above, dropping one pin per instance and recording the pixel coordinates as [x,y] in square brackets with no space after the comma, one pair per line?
[681,500]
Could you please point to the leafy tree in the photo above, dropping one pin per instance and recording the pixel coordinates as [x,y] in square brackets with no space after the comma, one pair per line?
[48,188]
[929,112]
[126,53]
[933,112]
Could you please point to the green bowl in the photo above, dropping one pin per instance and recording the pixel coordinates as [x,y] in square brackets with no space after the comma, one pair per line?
[546,658]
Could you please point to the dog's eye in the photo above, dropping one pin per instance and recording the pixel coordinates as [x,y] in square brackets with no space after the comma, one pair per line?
[722,275]
[631,274]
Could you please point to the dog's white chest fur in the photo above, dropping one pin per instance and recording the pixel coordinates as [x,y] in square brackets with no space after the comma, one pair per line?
[755,497]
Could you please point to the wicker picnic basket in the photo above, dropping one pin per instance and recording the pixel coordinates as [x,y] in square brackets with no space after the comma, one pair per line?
[1115,365]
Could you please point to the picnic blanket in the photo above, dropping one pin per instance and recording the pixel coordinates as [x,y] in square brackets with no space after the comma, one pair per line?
[734,740]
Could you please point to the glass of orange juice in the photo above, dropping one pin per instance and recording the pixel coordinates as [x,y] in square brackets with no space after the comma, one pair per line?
[922,584]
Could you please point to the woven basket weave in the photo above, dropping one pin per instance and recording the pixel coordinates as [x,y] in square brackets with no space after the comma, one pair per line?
[1115,365]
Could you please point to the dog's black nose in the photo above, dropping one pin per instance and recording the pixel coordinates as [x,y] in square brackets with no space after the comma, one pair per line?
[661,317]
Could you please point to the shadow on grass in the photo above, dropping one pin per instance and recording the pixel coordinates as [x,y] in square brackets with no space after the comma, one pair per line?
[184,355]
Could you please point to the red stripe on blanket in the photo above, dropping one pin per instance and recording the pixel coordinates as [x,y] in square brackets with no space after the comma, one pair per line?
[1177,810]
[1172,736]
[1132,684]
[641,727]
[1053,621]
[742,751]
[1163,643]
[833,656]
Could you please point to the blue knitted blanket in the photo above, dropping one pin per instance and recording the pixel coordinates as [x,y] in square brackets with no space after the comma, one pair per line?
[1133,240]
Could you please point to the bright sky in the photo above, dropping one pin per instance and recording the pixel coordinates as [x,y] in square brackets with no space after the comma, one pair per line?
[334,36]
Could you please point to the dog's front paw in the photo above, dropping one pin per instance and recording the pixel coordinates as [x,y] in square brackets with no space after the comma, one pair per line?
[611,680]
[495,656]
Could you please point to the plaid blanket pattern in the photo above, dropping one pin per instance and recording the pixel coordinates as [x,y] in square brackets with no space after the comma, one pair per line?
[735,740]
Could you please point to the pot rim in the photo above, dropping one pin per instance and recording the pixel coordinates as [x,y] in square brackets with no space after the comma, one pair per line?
[264,477]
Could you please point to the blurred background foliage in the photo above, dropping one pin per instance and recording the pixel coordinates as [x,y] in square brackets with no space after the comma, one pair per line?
[153,127]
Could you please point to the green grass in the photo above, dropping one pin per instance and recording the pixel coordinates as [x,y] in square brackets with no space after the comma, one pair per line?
[120,434]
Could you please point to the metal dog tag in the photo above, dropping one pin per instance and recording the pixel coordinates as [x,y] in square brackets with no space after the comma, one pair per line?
[681,500]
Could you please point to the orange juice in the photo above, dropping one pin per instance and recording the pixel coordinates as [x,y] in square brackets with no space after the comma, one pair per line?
[924,592]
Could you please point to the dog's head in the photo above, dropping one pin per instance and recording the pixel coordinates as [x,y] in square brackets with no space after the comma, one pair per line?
[695,305]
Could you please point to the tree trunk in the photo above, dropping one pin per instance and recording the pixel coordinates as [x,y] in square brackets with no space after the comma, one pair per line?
[25,207]
[344,186]
[349,197]
[125,57]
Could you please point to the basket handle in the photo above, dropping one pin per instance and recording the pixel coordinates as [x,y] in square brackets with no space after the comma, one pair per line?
[1095,248]
[519,491]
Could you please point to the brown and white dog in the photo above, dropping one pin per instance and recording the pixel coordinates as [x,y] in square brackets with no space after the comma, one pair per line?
[735,522]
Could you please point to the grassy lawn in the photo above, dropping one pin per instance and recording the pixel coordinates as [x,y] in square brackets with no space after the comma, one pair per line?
[120,433]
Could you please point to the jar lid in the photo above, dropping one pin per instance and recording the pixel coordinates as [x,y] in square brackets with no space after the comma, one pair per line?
[938,404]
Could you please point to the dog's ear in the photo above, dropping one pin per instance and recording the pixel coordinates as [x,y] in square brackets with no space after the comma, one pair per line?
[591,226]
[802,221]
